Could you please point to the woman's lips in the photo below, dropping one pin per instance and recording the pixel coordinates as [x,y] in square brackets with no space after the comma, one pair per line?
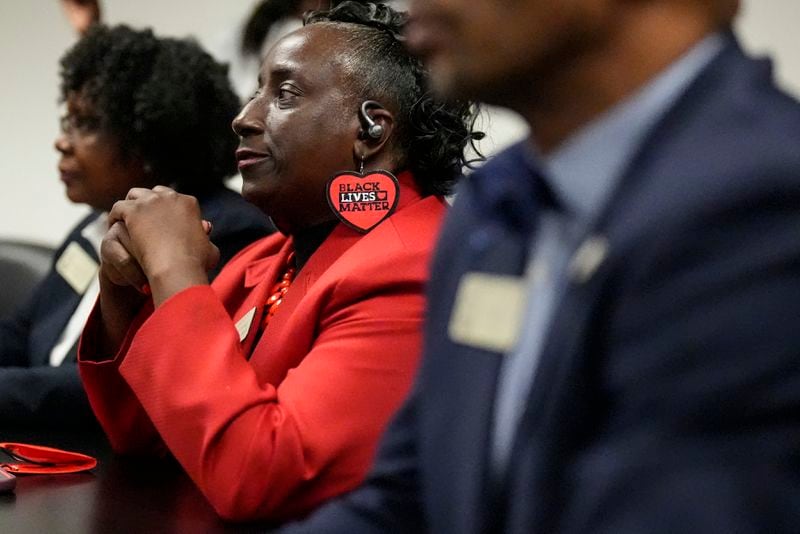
[68,176]
[246,157]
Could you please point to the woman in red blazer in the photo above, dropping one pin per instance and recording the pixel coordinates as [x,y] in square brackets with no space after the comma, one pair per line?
[272,385]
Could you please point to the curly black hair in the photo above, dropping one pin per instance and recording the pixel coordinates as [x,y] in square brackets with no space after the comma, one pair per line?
[164,100]
[433,134]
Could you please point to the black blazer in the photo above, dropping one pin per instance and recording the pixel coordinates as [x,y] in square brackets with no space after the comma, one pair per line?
[667,397]
[33,392]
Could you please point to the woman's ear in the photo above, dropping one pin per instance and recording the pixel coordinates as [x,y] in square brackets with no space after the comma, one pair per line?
[377,125]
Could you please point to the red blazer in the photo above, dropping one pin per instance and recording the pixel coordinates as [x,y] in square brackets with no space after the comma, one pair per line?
[272,429]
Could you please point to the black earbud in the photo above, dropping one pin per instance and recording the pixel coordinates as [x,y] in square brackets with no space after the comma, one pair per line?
[373,130]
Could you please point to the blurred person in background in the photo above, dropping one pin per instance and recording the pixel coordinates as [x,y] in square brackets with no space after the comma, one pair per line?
[140,111]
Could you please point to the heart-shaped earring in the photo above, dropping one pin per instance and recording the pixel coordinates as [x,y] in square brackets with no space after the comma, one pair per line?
[362,201]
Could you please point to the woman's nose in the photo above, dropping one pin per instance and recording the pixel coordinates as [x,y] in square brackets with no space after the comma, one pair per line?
[62,143]
[249,121]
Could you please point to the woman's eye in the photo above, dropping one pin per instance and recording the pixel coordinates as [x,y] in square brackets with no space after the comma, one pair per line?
[82,124]
[286,95]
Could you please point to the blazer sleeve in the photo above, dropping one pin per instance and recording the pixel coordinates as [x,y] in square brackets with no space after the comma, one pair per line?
[121,415]
[703,435]
[236,224]
[255,449]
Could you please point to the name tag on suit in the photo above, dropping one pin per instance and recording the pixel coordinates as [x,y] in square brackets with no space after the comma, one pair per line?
[488,311]
[77,267]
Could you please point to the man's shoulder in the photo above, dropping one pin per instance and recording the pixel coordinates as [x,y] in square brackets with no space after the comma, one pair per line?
[733,136]
[734,112]
[500,176]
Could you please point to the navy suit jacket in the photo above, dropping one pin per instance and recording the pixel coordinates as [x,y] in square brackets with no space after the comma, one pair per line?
[667,397]
[34,393]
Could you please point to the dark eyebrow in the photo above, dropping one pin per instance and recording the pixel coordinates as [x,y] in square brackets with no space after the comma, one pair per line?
[280,72]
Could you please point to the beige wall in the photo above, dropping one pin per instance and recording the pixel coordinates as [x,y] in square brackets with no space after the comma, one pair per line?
[33,35]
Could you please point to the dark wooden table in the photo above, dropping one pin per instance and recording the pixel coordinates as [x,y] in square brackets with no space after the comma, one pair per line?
[120,495]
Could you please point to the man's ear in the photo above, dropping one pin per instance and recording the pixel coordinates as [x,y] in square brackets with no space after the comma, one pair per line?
[377,126]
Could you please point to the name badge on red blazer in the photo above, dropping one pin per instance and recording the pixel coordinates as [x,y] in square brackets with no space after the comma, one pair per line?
[363,201]
[245,323]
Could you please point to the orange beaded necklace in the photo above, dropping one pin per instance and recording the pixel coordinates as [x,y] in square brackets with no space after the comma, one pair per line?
[280,289]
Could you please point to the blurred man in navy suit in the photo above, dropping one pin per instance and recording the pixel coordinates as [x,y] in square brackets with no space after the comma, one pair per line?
[612,340]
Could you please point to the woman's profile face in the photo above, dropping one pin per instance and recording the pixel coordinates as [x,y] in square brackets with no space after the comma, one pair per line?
[299,128]
[92,166]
